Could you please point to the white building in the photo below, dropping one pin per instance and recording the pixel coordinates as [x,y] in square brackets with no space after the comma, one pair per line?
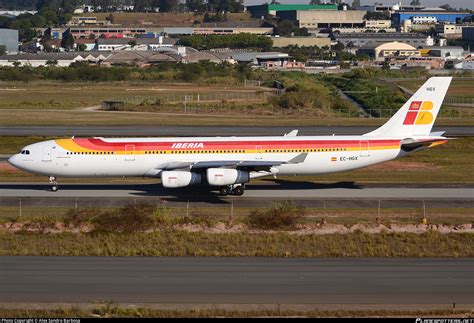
[424,20]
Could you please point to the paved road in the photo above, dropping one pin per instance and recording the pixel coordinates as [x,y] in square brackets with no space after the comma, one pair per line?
[132,280]
[343,194]
[202,130]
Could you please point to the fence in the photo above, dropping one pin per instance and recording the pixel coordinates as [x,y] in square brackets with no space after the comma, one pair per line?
[255,103]
[188,200]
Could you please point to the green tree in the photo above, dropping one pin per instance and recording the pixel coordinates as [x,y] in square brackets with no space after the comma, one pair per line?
[81,47]
[355,4]
[3,50]
[132,43]
[285,27]
[68,42]
[52,62]
[195,5]
[415,3]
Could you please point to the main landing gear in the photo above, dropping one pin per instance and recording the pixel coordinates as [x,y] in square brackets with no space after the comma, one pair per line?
[54,184]
[238,190]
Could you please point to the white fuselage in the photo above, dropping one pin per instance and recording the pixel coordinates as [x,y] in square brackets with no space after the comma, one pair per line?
[143,157]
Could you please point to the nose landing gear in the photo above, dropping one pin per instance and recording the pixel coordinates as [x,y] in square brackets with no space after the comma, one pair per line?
[54,184]
[237,190]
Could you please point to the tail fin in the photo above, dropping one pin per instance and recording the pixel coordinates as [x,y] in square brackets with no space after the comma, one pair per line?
[418,114]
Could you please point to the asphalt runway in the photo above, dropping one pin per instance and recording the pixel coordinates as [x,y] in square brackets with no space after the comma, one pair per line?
[341,194]
[192,131]
[329,283]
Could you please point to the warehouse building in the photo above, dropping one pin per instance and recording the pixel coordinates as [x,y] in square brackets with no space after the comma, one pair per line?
[389,50]
[259,11]
[9,39]
[319,19]
[144,44]
[374,39]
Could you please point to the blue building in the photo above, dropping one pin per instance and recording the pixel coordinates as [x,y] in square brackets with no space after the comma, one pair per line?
[429,16]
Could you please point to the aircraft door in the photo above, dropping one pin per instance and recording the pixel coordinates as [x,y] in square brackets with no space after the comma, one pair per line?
[130,152]
[47,154]
[364,148]
[258,152]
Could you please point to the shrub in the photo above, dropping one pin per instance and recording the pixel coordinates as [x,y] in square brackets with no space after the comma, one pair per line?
[130,218]
[285,216]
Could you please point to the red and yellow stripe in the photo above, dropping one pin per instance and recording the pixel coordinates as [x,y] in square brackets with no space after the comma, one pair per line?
[97,145]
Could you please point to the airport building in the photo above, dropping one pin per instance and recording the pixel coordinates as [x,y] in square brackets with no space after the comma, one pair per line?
[319,19]
[9,39]
[259,11]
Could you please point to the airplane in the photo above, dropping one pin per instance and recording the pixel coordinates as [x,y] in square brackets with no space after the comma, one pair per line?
[228,163]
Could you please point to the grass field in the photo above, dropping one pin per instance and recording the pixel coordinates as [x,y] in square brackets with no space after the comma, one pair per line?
[449,163]
[60,96]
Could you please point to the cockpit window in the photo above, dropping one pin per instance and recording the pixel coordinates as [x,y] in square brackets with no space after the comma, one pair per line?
[25,152]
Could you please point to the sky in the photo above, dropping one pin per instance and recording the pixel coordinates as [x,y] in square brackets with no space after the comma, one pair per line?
[429,3]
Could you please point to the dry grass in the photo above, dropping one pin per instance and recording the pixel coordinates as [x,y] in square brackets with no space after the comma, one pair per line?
[111,310]
[49,95]
[179,243]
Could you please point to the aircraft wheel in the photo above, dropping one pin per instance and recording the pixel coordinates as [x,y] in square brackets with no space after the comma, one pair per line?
[238,190]
[225,190]
[54,188]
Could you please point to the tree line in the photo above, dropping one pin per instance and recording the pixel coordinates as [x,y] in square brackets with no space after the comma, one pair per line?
[82,71]
[243,40]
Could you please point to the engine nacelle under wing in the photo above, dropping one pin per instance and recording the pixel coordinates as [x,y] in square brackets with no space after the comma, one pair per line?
[226,176]
[174,179]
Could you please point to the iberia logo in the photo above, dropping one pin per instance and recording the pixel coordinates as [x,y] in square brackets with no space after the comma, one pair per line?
[419,113]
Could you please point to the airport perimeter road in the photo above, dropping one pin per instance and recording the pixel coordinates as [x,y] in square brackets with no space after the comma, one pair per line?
[331,283]
[344,194]
[191,131]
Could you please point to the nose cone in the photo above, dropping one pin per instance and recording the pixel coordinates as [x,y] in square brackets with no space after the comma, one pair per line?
[13,160]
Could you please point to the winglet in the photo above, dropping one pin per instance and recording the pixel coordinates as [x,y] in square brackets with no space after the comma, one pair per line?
[292,133]
[298,159]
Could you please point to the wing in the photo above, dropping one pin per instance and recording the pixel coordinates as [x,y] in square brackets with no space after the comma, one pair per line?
[248,165]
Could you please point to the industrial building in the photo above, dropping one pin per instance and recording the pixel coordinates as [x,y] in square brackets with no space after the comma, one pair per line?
[444,51]
[318,19]
[389,50]
[375,39]
[429,16]
[111,44]
[43,59]
[9,39]
[151,32]
[301,41]
[449,30]
[259,11]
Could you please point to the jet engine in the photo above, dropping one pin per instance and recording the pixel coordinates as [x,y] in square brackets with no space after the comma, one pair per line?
[174,179]
[225,176]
